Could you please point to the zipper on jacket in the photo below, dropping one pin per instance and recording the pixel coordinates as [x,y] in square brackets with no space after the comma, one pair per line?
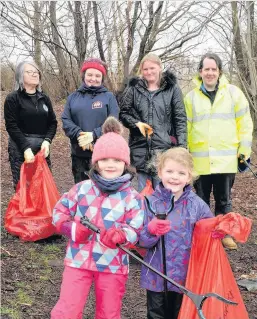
[151,260]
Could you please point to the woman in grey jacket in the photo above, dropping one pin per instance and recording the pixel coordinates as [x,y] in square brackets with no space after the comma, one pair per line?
[152,108]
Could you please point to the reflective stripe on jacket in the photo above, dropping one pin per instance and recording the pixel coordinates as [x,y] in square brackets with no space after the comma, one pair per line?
[218,132]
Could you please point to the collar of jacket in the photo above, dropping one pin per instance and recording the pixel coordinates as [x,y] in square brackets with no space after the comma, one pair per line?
[168,80]
[124,187]
[203,88]
[39,94]
[91,89]
[222,81]
[166,194]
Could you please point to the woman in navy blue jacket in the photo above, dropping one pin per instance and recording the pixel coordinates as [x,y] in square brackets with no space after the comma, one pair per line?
[84,114]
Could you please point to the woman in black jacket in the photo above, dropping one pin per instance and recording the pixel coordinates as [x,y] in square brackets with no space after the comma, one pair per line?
[29,119]
[152,109]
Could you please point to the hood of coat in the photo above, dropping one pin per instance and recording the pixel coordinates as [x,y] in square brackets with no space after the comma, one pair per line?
[91,89]
[168,80]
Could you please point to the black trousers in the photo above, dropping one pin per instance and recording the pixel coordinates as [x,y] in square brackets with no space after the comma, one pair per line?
[16,156]
[221,185]
[156,305]
[80,168]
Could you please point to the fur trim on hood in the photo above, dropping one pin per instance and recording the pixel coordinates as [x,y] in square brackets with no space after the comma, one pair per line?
[168,78]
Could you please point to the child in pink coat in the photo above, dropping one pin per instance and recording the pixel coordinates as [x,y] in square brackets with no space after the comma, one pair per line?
[111,203]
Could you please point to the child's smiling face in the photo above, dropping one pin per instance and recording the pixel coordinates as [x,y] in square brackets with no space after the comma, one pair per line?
[110,168]
[174,176]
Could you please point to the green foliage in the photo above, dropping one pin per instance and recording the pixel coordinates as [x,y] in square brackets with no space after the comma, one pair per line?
[11,312]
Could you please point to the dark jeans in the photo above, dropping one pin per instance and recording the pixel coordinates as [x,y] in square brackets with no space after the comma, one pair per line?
[222,185]
[80,168]
[16,156]
[156,305]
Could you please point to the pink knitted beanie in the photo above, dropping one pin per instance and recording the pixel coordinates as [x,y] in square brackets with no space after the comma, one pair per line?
[111,144]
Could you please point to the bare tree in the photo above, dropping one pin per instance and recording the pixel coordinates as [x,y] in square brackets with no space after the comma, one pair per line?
[140,27]
[122,33]
[246,59]
[80,29]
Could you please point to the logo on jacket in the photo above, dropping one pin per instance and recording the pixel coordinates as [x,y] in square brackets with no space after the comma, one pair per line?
[97,105]
[45,107]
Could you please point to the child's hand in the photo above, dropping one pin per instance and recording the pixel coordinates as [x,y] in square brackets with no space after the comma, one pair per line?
[159,227]
[112,237]
[80,233]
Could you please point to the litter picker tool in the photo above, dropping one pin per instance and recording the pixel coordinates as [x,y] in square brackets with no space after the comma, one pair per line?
[197,299]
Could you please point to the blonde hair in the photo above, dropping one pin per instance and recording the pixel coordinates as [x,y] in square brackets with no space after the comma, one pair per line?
[152,58]
[179,155]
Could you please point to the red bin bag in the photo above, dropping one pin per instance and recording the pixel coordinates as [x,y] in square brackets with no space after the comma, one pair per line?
[29,212]
[209,269]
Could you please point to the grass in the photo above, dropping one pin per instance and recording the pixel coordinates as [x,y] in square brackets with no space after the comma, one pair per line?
[12,313]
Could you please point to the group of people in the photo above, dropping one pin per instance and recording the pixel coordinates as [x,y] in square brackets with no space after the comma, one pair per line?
[171,141]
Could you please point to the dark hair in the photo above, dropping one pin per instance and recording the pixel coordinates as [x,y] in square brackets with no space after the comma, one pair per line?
[212,56]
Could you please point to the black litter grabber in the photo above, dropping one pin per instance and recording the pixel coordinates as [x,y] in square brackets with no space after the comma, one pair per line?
[163,249]
[242,158]
[197,299]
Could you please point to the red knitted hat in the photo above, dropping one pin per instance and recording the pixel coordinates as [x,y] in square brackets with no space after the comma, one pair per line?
[94,63]
[111,144]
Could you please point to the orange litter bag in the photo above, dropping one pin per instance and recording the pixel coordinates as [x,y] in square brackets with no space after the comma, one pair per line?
[209,269]
[148,189]
[29,212]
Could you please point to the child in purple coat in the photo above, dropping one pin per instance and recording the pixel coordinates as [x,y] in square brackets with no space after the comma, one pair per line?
[169,240]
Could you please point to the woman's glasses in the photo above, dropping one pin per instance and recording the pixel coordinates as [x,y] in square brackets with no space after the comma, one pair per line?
[30,72]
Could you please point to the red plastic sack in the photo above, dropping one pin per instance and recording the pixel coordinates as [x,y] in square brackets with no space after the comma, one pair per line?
[209,269]
[29,213]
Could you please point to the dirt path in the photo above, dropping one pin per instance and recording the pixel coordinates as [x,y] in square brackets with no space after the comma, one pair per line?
[31,272]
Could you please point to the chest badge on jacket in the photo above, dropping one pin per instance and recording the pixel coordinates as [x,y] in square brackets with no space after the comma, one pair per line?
[45,107]
[97,105]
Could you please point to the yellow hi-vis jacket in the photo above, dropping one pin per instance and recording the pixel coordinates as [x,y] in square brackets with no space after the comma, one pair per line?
[218,132]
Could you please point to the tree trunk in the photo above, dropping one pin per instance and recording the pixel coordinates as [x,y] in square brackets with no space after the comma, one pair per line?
[36,33]
[60,59]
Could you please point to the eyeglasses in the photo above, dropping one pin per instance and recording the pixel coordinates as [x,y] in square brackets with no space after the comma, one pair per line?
[32,72]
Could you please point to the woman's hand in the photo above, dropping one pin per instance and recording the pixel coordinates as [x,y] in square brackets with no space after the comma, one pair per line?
[143,128]
[85,139]
[29,156]
[46,146]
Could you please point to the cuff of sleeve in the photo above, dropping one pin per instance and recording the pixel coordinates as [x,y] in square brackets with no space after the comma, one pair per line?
[151,235]
[73,231]
[77,135]
[94,137]
[48,140]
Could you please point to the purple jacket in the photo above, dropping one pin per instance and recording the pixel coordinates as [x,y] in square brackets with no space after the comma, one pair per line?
[188,209]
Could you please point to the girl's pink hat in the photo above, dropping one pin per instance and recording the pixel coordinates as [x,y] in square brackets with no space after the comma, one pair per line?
[111,144]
